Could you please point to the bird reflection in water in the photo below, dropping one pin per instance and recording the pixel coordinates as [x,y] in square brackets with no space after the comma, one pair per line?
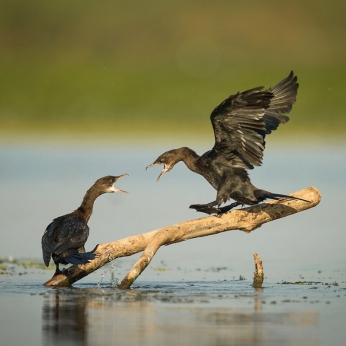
[64,319]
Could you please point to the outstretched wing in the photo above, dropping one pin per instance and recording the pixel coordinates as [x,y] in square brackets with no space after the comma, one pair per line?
[65,232]
[242,121]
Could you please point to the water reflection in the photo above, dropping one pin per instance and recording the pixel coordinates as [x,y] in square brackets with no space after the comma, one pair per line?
[104,316]
[64,319]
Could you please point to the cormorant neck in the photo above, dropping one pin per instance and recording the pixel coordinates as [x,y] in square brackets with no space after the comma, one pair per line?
[86,208]
[189,157]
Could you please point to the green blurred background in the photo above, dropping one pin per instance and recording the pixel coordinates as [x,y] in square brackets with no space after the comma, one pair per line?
[150,69]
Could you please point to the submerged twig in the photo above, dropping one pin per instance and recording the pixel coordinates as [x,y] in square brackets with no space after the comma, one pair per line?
[246,219]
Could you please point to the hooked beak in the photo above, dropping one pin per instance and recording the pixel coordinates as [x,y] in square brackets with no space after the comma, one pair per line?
[164,170]
[114,189]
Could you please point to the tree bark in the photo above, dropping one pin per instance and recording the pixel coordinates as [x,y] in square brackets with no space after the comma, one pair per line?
[246,219]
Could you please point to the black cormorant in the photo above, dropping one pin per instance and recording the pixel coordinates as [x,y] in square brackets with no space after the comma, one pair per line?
[64,238]
[240,125]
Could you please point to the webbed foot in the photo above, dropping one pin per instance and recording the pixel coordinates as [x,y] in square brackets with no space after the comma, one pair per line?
[57,272]
[64,271]
[227,208]
[205,208]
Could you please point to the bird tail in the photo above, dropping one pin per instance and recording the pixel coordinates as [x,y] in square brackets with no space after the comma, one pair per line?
[80,258]
[276,196]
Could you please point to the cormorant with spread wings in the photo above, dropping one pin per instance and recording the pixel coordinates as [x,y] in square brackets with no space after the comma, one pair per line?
[240,124]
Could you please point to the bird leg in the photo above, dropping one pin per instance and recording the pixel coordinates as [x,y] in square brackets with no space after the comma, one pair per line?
[208,208]
[57,270]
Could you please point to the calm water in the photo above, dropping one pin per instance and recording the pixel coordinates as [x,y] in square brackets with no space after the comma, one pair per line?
[190,293]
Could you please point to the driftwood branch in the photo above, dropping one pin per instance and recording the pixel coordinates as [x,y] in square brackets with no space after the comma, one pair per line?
[246,219]
[258,275]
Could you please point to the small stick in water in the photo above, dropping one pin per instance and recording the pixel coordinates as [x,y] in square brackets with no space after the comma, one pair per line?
[258,273]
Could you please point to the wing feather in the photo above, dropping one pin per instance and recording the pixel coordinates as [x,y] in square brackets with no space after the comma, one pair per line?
[65,232]
[242,121]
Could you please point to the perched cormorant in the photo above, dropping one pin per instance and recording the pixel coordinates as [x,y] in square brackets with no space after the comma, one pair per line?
[64,238]
[240,125]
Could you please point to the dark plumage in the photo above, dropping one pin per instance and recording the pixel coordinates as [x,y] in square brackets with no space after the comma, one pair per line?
[65,237]
[240,125]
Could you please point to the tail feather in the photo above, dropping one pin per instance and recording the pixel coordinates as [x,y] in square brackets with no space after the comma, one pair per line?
[80,258]
[278,196]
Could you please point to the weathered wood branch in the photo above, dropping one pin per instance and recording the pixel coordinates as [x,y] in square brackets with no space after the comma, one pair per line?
[258,275]
[246,219]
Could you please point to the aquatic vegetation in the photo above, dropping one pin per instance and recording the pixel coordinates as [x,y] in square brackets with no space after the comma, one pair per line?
[309,283]
[33,264]
[161,269]
[217,269]
[30,263]
[3,269]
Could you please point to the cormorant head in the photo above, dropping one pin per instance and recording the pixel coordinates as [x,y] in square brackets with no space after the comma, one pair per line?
[168,160]
[106,184]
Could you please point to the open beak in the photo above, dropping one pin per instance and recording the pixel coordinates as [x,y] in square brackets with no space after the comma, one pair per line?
[164,170]
[152,165]
[114,189]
